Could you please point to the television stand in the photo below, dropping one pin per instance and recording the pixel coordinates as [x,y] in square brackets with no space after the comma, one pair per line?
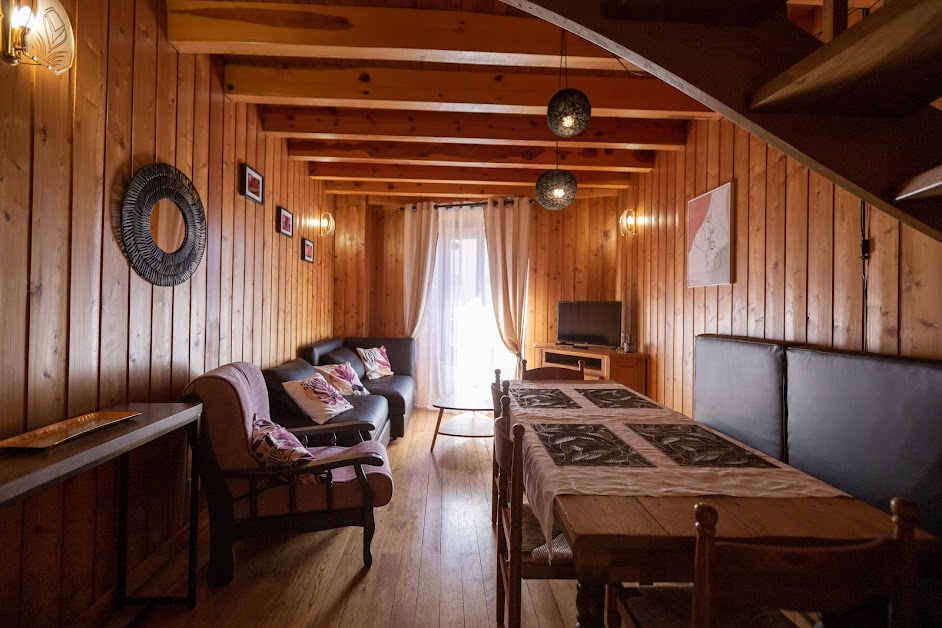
[629,369]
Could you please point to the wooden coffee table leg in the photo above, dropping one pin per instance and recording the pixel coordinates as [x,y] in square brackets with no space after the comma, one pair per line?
[438,424]
[590,604]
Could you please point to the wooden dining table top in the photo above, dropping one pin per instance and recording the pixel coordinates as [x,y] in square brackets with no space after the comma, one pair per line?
[651,538]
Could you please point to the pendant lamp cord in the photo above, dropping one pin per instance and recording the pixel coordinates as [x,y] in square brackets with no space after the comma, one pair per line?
[563,62]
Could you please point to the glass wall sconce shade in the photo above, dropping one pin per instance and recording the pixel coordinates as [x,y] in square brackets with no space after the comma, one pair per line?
[39,36]
[626,222]
[556,189]
[326,224]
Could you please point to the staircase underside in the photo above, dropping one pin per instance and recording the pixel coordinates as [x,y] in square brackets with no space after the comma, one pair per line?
[723,66]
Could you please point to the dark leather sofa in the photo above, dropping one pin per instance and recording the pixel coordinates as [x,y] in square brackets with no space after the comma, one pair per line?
[869,425]
[368,420]
[397,389]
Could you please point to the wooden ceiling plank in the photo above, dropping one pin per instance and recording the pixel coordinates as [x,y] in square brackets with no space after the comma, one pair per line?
[342,32]
[332,123]
[724,66]
[888,64]
[511,92]
[484,156]
[452,190]
[458,174]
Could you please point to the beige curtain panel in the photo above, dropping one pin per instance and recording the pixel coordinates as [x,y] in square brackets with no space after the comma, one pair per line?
[507,231]
[420,242]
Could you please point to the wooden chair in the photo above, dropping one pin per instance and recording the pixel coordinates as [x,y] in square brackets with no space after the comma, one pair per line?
[745,583]
[498,390]
[831,580]
[246,499]
[522,552]
[547,373]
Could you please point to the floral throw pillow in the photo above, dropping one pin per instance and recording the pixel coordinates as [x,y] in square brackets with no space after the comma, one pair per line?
[317,398]
[343,378]
[276,448]
[376,362]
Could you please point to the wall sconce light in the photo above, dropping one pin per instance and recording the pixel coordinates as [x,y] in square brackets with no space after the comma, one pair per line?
[627,223]
[39,36]
[326,224]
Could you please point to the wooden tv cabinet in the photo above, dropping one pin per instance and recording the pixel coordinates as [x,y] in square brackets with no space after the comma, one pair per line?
[629,369]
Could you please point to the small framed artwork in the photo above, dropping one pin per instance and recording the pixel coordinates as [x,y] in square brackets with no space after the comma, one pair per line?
[307,250]
[250,184]
[709,241]
[285,224]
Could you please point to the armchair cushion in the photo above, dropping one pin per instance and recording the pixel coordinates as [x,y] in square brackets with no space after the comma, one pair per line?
[275,447]
[274,500]
[317,398]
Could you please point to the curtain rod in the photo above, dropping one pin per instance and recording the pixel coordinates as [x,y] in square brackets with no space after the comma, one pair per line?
[507,201]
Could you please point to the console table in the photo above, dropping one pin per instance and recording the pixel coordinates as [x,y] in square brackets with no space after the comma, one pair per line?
[628,369]
[24,473]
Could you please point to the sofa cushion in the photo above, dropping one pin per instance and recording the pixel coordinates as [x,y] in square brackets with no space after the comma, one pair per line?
[283,408]
[401,351]
[345,355]
[317,398]
[374,409]
[868,425]
[314,353]
[376,362]
[399,390]
[739,388]
[343,378]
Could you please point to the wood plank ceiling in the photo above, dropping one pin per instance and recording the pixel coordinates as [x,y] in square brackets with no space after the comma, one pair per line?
[445,101]
[447,98]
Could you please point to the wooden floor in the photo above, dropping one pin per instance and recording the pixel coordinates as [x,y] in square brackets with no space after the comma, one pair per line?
[433,558]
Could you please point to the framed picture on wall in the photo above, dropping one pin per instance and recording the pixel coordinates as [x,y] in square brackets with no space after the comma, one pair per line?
[709,241]
[251,184]
[307,250]
[285,222]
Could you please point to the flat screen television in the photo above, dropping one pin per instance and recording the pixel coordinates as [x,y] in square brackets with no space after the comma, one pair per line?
[589,323]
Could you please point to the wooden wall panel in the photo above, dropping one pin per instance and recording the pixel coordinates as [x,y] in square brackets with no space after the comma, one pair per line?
[796,260]
[81,331]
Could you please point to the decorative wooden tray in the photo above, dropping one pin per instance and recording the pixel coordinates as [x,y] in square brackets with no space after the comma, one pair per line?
[57,433]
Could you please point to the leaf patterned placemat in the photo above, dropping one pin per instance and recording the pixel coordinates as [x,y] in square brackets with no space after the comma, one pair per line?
[692,445]
[542,398]
[587,445]
[615,398]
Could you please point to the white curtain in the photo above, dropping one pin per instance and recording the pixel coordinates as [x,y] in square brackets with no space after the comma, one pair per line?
[420,241]
[458,345]
[508,249]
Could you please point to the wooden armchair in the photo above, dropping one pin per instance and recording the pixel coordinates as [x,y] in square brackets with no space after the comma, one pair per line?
[547,373]
[246,499]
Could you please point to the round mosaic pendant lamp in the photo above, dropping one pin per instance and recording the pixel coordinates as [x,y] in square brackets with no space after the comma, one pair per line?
[569,109]
[556,189]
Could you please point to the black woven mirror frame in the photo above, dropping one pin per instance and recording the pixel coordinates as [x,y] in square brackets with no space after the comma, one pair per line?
[152,184]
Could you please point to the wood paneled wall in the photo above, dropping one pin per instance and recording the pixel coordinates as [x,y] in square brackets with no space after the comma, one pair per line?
[796,267]
[575,254]
[79,330]
[573,257]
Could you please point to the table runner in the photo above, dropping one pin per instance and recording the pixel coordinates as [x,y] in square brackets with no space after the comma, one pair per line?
[544,480]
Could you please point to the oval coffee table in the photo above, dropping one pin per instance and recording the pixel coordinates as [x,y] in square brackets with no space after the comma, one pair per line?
[468,425]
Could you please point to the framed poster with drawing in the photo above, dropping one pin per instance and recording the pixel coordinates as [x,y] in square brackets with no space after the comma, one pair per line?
[250,184]
[709,242]
[307,250]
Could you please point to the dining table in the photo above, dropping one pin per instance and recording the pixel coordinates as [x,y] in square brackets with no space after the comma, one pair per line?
[621,474]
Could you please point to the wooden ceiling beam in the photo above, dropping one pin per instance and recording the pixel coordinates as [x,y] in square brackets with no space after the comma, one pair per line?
[456,174]
[484,156]
[510,92]
[446,190]
[288,29]
[723,67]
[331,123]
[888,64]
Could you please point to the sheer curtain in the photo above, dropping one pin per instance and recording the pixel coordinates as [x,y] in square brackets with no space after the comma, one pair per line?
[458,345]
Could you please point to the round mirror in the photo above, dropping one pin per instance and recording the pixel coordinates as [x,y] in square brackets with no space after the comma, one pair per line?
[167,226]
[163,225]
